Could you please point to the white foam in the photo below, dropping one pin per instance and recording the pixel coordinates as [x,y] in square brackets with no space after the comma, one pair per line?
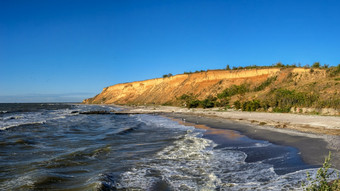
[14,184]
[192,163]
[11,120]
[19,124]
[162,122]
[255,145]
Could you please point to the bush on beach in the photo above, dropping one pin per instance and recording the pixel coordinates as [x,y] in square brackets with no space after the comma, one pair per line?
[321,180]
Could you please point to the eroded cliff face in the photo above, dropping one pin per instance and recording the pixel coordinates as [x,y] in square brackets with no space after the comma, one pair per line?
[166,90]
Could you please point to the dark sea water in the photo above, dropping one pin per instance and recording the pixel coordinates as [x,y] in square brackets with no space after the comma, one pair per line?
[53,147]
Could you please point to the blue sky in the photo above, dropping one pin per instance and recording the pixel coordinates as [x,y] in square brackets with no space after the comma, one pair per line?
[56,50]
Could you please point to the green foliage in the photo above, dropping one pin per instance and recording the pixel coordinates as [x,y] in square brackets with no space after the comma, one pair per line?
[320,182]
[251,67]
[208,102]
[223,102]
[265,105]
[167,75]
[189,100]
[228,67]
[281,109]
[193,103]
[281,100]
[316,65]
[188,72]
[185,97]
[251,105]
[334,71]
[234,90]
[284,99]
[265,84]
[237,104]
[329,103]
[279,64]
[197,71]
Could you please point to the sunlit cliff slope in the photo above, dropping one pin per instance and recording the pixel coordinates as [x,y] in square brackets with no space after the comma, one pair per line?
[166,90]
[317,83]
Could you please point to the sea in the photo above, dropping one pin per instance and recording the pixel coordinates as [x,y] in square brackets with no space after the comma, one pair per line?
[53,146]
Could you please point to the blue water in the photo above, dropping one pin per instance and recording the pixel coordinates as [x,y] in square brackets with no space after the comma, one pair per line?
[54,147]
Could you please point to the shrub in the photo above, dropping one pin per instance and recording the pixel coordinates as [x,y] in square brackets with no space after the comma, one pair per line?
[265,84]
[189,100]
[234,90]
[284,99]
[237,104]
[193,103]
[334,71]
[185,97]
[167,75]
[251,67]
[251,105]
[279,64]
[223,102]
[208,102]
[265,105]
[321,180]
[329,103]
[316,65]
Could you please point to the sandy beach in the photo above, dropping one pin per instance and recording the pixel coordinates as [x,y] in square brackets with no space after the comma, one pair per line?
[313,135]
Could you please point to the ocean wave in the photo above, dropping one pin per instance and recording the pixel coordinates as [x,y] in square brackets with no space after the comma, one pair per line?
[125,131]
[12,117]
[255,145]
[162,122]
[194,163]
[21,124]
[10,120]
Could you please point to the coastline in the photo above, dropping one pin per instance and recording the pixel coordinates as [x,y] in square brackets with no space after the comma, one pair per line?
[313,136]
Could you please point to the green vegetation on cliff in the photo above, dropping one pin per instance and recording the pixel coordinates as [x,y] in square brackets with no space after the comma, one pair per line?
[292,91]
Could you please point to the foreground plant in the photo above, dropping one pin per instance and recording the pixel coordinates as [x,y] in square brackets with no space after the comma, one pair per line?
[320,183]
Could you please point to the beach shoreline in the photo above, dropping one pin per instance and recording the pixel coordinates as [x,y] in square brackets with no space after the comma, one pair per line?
[314,136]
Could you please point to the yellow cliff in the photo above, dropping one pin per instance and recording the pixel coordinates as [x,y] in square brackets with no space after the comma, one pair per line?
[318,88]
[165,90]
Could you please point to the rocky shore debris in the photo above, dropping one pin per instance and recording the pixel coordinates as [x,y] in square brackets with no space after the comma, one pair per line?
[97,112]
[111,112]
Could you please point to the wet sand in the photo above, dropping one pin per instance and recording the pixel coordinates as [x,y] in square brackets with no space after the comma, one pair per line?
[312,148]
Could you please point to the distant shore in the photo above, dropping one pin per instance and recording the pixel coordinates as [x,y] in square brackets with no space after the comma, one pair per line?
[313,135]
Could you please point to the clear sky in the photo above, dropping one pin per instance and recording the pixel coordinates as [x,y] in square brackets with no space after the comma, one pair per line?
[68,50]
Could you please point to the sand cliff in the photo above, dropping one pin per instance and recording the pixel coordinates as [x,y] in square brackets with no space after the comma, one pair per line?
[164,90]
